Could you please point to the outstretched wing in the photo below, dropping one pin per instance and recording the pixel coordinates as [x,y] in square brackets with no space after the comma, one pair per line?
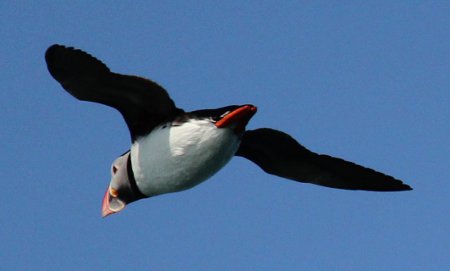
[279,154]
[143,103]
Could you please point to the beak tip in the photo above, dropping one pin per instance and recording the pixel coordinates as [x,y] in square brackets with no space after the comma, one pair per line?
[105,205]
[105,214]
[107,208]
[106,211]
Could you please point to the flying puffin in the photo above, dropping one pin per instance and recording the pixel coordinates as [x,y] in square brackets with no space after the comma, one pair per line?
[173,150]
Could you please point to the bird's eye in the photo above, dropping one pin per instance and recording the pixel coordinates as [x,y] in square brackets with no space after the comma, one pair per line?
[114,169]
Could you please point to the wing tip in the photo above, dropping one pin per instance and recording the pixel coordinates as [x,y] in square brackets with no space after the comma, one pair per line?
[397,187]
[64,59]
[406,188]
[51,54]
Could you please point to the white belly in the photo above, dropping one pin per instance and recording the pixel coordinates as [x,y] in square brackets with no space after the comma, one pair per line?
[179,157]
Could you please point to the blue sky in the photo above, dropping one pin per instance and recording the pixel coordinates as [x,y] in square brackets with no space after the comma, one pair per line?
[368,82]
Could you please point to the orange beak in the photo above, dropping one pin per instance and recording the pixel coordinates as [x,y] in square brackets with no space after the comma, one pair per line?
[111,204]
[105,205]
[241,116]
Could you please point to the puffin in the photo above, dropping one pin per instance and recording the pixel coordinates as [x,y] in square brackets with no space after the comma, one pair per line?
[173,150]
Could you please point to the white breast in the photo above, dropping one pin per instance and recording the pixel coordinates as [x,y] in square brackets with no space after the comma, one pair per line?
[176,158]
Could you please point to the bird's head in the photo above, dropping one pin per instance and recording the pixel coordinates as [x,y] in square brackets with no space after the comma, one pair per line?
[121,190]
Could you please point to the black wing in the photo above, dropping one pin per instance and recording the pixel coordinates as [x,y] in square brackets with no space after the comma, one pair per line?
[142,103]
[279,154]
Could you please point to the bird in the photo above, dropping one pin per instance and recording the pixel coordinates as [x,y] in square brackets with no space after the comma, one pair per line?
[173,150]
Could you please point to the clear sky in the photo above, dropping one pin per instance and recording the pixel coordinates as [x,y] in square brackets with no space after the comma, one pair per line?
[365,81]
